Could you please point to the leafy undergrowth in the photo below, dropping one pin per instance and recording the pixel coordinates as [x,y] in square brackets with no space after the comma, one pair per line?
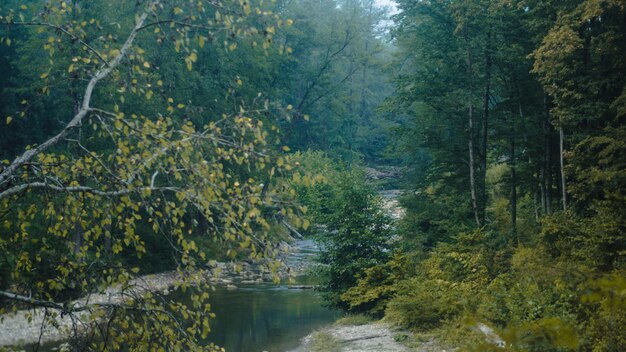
[354,319]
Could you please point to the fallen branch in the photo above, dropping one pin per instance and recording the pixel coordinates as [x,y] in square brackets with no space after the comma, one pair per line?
[368,337]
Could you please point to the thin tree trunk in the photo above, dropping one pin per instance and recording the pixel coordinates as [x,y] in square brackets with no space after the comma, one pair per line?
[513,185]
[562,164]
[77,238]
[470,142]
[485,134]
[547,175]
[514,173]
[542,188]
[470,145]
[363,106]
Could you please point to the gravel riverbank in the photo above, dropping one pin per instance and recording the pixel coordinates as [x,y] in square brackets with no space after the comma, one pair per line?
[29,326]
[372,337]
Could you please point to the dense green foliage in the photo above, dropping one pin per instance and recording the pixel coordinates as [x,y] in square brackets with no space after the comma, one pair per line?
[352,228]
[511,121]
[153,135]
[147,136]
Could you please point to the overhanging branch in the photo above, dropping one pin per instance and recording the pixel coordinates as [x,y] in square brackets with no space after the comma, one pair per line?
[76,121]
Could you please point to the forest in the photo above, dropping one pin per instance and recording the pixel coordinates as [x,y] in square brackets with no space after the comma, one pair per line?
[178,140]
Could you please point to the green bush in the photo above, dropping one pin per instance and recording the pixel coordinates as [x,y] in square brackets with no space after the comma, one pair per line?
[377,286]
[352,227]
[424,303]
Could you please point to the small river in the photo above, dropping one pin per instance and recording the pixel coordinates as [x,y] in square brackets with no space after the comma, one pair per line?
[265,317]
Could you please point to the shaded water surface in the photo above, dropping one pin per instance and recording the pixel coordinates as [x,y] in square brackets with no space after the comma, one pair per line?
[263,317]
[266,318]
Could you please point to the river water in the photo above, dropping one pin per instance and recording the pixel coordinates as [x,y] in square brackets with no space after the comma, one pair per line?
[265,317]
[261,317]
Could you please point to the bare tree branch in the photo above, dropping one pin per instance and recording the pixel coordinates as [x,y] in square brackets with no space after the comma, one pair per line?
[76,121]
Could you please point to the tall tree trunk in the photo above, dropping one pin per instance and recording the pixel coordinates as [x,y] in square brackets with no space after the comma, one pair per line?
[562,166]
[514,172]
[542,188]
[366,56]
[547,174]
[485,128]
[77,238]
[470,145]
[513,184]
[351,94]
[470,142]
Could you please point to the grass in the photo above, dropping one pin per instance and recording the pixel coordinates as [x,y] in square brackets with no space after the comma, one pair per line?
[323,341]
[354,319]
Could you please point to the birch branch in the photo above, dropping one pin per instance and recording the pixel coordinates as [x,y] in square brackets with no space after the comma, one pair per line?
[76,121]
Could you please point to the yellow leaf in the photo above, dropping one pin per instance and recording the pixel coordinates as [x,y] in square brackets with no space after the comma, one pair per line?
[9,119]
[180,106]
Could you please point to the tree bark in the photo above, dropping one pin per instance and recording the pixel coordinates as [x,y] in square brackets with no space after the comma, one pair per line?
[562,166]
[485,133]
[471,164]
[547,174]
[470,142]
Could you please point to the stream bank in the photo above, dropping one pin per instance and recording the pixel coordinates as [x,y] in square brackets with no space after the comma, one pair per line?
[26,327]
[371,337]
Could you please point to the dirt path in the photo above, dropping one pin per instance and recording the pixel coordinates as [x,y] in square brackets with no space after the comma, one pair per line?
[372,337]
[375,337]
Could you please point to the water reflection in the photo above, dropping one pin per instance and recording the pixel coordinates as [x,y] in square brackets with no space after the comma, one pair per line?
[265,318]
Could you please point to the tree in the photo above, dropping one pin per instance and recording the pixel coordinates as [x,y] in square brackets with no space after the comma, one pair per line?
[356,233]
[335,77]
[124,166]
